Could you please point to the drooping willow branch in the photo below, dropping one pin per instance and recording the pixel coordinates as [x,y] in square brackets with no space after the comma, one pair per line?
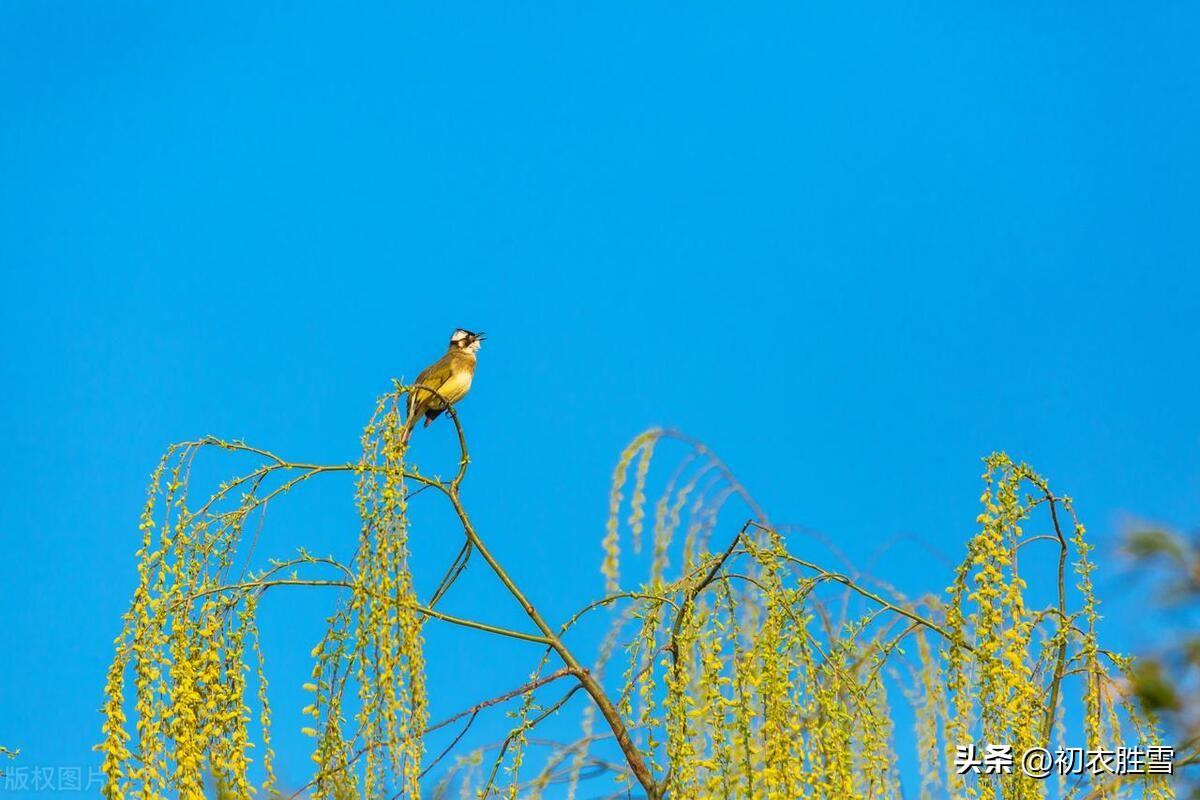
[726,689]
[193,540]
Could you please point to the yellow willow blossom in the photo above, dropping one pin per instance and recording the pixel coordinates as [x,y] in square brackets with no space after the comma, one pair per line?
[752,671]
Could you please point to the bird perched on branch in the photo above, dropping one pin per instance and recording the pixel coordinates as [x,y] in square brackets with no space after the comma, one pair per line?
[449,377]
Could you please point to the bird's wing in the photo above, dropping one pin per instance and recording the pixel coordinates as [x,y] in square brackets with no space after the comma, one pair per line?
[434,377]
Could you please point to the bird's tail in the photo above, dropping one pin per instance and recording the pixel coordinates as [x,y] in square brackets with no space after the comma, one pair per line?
[407,430]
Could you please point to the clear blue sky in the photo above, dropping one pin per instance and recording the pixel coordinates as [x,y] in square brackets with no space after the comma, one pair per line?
[854,247]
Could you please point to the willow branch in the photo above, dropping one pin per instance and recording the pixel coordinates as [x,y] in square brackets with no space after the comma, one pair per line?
[508,740]
[456,568]
[429,612]
[700,586]
[605,705]
[474,710]
[1061,661]
[867,593]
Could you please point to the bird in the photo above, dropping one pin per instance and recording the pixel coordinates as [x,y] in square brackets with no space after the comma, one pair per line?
[450,377]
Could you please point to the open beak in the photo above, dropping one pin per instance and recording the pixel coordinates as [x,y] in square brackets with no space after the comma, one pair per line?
[480,336]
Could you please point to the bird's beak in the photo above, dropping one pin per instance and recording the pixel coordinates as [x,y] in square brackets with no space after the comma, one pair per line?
[480,336]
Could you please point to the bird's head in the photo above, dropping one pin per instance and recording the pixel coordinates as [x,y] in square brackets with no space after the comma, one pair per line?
[465,340]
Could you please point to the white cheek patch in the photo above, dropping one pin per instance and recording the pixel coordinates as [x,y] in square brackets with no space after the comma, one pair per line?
[459,335]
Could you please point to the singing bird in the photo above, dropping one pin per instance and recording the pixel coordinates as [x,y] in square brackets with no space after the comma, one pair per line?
[450,377]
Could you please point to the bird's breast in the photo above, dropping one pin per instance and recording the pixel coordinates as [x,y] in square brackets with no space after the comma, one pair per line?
[456,385]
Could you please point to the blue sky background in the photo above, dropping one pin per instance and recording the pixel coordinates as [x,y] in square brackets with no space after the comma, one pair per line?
[854,247]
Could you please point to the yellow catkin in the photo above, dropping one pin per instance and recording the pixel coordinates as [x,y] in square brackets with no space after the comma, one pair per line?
[747,673]
[271,782]
[610,567]
[666,518]
[929,701]
[637,503]
[389,642]
[189,640]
